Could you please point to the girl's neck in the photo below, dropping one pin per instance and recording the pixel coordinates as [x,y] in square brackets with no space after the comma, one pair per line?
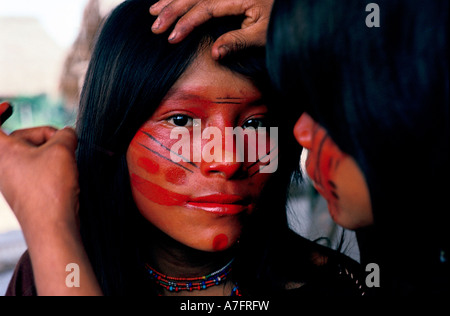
[174,259]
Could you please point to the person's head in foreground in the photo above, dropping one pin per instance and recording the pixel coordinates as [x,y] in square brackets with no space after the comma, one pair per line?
[373,104]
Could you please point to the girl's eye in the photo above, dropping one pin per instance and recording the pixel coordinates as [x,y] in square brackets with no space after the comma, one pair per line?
[255,123]
[181,120]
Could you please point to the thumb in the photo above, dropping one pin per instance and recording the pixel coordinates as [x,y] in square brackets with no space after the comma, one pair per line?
[65,137]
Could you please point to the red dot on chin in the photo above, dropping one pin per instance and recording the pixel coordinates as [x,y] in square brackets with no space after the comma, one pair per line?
[220,242]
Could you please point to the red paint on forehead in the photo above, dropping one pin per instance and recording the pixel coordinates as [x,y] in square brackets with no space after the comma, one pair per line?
[176,176]
[157,194]
[220,243]
[148,165]
[204,96]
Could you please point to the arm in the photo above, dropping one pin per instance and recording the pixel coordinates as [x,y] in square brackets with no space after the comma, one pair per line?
[196,12]
[40,182]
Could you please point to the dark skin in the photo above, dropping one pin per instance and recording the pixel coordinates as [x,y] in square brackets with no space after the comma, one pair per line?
[193,13]
[48,215]
[190,202]
[194,248]
[24,160]
[174,259]
[336,175]
[325,155]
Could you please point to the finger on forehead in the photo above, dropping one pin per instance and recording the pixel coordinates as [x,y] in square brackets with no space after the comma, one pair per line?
[200,13]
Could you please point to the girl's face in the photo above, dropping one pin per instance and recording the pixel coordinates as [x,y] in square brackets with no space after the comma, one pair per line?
[200,204]
[335,175]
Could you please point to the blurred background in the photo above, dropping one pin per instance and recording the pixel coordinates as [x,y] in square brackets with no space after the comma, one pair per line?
[45,47]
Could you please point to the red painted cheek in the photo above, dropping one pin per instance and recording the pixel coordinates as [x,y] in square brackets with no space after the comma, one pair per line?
[176,176]
[148,165]
[323,159]
[156,193]
[329,160]
[220,243]
[329,155]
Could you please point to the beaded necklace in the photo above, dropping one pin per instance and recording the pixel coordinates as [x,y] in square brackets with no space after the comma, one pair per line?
[193,284]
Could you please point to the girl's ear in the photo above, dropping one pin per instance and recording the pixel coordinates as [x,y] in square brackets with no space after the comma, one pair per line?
[304,130]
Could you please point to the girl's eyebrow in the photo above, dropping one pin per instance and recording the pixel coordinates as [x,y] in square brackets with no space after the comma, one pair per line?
[258,102]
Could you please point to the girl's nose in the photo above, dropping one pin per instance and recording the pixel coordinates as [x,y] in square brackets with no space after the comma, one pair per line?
[226,169]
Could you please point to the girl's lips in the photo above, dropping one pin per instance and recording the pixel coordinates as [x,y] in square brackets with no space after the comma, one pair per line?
[221,209]
[219,199]
[223,204]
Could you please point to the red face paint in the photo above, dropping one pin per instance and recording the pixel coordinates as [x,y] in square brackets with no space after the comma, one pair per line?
[173,200]
[220,243]
[323,160]
[148,165]
[157,194]
[176,176]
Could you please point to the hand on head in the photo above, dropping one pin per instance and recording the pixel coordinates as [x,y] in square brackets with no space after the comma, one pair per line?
[192,13]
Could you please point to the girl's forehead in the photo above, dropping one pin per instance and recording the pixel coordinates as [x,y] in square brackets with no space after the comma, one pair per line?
[201,101]
[215,94]
[207,76]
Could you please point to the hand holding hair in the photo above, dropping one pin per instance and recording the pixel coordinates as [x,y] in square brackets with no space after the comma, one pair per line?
[38,169]
[193,13]
[39,180]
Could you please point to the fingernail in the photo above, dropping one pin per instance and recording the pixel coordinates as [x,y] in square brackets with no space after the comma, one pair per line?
[157,24]
[172,36]
[4,104]
[223,51]
[6,111]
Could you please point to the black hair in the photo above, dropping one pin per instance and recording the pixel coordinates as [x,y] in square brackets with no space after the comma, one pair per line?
[382,93]
[130,73]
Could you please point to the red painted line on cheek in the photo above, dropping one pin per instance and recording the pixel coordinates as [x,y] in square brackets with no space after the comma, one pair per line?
[328,154]
[176,176]
[148,165]
[157,194]
[220,242]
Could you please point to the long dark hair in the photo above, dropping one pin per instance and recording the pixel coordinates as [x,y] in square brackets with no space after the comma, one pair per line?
[382,93]
[130,73]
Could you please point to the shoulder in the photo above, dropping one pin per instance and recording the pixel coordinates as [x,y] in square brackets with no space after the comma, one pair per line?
[22,281]
[318,270]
